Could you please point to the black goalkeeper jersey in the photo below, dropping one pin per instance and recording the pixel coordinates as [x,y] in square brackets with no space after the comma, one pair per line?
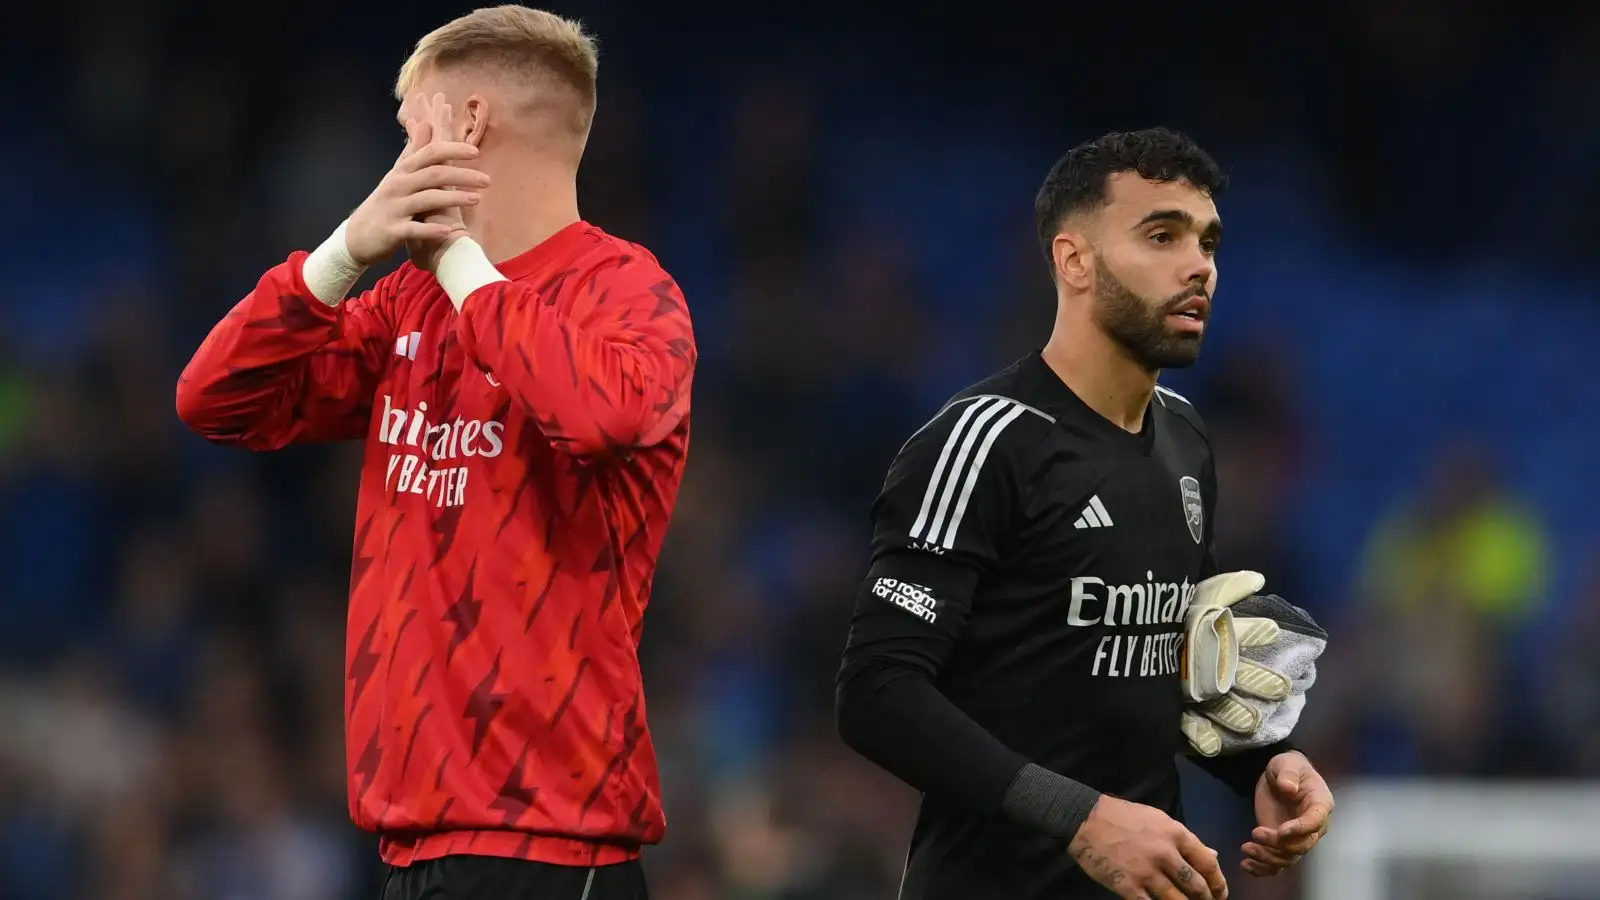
[1033,563]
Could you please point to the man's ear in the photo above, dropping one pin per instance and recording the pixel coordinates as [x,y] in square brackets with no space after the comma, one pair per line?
[475,116]
[1072,258]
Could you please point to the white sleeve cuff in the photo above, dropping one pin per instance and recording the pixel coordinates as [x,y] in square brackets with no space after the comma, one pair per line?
[330,271]
[463,268]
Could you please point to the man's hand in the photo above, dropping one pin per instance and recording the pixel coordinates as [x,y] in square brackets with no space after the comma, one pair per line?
[1141,853]
[1293,805]
[435,122]
[426,180]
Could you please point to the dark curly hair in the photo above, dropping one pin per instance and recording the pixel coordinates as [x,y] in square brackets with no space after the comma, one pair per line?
[1078,182]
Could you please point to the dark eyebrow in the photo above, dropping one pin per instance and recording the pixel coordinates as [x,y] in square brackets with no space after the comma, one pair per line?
[1182,217]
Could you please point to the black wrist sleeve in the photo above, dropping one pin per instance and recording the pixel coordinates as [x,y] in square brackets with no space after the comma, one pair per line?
[1054,804]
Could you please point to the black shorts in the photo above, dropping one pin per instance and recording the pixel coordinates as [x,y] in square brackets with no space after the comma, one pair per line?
[492,878]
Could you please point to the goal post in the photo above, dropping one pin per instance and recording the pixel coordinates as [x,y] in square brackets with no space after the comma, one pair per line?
[1403,839]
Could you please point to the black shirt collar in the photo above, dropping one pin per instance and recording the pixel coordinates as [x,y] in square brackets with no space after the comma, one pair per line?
[1052,395]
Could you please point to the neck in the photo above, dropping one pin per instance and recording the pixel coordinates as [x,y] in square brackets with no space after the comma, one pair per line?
[1100,371]
[529,201]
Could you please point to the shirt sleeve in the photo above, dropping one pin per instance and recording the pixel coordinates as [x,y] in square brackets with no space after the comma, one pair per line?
[953,489]
[940,526]
[603,371]
[283,367]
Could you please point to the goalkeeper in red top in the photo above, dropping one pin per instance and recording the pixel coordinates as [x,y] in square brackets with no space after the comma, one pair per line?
[522,385]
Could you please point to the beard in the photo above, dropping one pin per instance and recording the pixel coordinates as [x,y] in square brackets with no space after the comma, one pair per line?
[1139,325]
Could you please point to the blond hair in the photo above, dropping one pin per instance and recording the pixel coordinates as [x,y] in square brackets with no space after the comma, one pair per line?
[532,47]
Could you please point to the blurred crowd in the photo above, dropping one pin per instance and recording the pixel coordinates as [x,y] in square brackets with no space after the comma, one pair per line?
[174,613]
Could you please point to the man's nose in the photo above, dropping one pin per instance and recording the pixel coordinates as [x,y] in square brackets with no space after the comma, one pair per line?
[1198,270]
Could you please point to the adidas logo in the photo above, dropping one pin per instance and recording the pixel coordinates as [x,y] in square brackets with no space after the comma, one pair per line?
[406,345]
[1094,515]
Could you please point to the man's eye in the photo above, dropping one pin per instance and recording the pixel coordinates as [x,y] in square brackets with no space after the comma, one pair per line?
[1161,237]
[1209,246]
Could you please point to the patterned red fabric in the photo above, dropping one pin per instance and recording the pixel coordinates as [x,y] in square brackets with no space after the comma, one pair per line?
[522,461]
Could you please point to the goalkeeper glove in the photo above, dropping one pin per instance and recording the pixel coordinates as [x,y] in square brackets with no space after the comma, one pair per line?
[1209,661]
[1278,647]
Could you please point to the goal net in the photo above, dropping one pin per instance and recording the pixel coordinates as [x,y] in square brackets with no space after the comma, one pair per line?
[1430,840]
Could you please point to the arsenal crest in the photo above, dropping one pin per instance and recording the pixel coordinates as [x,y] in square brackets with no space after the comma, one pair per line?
[1193,510]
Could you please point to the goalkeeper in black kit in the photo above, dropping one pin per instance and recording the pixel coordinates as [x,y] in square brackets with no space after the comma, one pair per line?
[1044,627]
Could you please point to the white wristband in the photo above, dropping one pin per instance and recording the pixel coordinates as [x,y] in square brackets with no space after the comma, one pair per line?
[463,268]
[330,271]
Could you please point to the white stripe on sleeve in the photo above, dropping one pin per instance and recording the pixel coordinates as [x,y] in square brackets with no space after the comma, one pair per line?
[973,470]
[932,489]
[959,467]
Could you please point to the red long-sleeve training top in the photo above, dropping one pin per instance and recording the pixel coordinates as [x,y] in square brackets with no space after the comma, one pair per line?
[523,457]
